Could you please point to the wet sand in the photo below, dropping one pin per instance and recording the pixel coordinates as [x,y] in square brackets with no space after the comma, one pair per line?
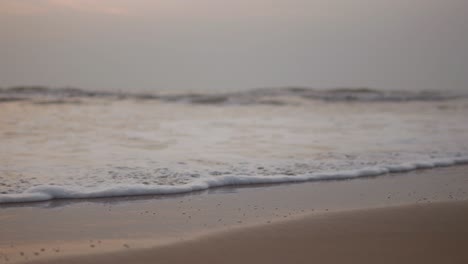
[69,228]
[429,233]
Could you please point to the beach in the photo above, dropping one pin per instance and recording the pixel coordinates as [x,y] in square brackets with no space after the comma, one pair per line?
[415,217]
[249,176]
[238,131]
[429,233]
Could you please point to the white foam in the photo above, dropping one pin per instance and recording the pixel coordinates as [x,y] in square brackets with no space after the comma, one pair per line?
[50,192]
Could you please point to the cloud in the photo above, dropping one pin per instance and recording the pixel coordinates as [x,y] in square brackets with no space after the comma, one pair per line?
[31,7]
[21,7]
[91,6]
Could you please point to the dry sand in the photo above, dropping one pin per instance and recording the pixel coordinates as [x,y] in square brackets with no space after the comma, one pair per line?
[315,221]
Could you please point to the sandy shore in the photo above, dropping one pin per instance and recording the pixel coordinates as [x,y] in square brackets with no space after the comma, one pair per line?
[419,211]
[429,233]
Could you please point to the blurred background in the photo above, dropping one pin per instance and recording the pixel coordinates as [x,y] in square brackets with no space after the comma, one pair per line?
[146,45]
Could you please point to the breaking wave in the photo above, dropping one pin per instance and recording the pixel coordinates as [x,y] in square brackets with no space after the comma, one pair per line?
[50,192]
[270,96]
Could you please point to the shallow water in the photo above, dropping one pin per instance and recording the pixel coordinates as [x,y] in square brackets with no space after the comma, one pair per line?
[95,146]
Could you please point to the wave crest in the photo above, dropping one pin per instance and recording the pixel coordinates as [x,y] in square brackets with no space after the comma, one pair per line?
[50,192]
[270,96]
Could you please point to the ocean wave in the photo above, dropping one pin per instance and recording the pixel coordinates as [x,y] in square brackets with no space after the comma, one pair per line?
[269,96]
[51,192]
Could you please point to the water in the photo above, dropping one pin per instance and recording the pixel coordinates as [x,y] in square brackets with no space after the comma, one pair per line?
[70,143]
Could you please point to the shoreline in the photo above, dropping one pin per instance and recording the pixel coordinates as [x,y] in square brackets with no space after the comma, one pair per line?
[105,226]
[63,158]
[51,192]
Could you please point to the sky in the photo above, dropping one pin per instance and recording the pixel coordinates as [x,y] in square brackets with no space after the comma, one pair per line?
[137,45]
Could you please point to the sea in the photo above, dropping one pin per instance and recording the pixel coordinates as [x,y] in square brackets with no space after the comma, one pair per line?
[69,143]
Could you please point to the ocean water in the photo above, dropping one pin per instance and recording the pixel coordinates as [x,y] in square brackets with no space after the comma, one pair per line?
[71,143]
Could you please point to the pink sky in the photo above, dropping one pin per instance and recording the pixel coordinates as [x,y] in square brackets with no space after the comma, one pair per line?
[28,7]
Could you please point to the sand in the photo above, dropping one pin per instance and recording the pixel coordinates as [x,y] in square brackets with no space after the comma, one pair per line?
[429,233]
[416,212]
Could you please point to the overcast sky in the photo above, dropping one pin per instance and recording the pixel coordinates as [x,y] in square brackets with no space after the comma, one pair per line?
[234,44]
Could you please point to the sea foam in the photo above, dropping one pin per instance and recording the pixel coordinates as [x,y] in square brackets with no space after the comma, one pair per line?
[72,143]
[50,192]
